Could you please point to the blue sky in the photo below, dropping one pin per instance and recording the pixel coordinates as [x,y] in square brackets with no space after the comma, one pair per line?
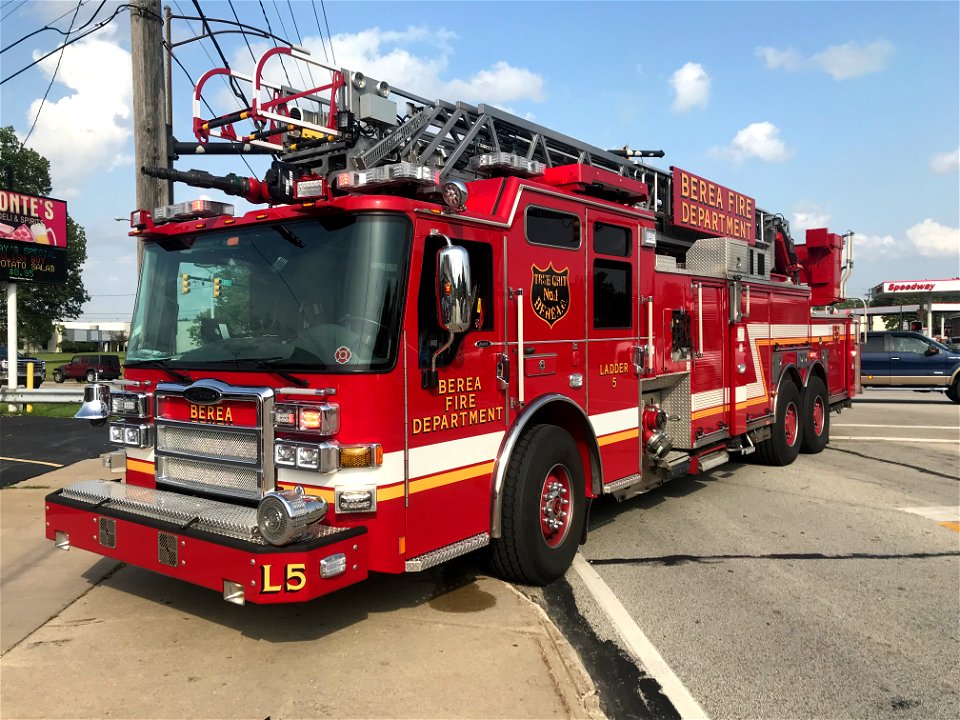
[838,114]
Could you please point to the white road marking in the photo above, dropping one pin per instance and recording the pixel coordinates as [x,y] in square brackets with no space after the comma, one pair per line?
[943,513]
[637,643]
[917,427]
[894,439]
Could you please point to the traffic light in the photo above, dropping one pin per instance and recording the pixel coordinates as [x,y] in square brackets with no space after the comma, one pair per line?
[916,326]
[184,284]
[216,287]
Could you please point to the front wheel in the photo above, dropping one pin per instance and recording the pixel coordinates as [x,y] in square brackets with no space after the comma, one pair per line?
[783,446]
[544,507]
[816,417]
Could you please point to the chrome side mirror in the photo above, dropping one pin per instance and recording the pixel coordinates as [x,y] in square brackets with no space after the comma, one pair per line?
[96,404]
[454,290]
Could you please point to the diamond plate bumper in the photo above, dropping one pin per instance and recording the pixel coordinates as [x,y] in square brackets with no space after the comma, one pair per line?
[154,532]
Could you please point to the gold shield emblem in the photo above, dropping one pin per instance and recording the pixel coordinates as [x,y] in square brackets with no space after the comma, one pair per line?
[550,293]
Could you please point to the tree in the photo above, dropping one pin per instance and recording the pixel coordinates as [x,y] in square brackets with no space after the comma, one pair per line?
[40,306]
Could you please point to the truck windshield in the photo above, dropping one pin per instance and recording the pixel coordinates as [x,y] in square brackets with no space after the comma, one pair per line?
[321,295]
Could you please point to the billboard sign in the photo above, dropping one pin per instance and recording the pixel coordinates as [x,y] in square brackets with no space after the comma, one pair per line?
[33,238]
[712,209]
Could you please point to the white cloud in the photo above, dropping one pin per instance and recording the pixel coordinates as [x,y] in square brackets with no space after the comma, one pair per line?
[809,216]
[841,62]
[416,59]
[788,59]
[87,130]
[931,239]
[691,83]
[946,162]
[875,245]
[758,140]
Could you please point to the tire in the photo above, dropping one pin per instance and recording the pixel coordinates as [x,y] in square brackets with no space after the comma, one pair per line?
[816,417]
[58,376]
[953,392]
[538,542]
[91,376]
[783,446]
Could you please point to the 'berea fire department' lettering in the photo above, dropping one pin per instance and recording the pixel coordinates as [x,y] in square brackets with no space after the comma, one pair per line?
[211,413]
[459,407]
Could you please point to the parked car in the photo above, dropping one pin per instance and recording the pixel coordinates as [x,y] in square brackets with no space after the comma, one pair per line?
[901,358]
[39,368]
[89,368]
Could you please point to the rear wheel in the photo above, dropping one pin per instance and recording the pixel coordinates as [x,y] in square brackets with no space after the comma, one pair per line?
[543,510]
[816,417]
[58,376]
[91,376]
[953,392]
[783,446]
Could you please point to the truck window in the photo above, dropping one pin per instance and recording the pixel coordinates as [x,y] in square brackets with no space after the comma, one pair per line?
[908,344]
[611,294]
[430,334]
[873,344]
[612,239]
[552,227]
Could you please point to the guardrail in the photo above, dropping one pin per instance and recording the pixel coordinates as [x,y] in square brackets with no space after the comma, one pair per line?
[57,395]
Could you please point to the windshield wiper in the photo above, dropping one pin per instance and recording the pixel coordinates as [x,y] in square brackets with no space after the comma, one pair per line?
[163,365]
[267,364]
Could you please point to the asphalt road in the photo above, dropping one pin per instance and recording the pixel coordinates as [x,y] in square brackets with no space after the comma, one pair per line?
[806,591]
[31,446]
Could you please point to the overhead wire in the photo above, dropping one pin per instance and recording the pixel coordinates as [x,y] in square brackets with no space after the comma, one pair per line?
[99,26]
[293,18]
[284,28]
[236,17]
[53,77]
[24,2]
[270,30]
[313,4]
[329,36]
[216,43]
[49,26]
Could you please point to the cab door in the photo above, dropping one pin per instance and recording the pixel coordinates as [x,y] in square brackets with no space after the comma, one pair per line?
[455,422]
[546,303]
[612,331]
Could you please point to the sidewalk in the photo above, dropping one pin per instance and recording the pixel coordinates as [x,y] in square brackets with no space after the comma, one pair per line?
[108,640]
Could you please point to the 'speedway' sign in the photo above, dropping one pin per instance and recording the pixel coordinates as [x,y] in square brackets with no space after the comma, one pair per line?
[33,238]
[921,286]
[707,207]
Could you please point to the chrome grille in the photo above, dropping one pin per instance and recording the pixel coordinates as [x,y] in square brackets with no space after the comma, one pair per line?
[234,480]
[216,443]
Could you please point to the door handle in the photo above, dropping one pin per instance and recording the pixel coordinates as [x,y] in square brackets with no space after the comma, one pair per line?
[894,358]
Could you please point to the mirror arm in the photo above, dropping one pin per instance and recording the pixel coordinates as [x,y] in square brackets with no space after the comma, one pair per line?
[439,350]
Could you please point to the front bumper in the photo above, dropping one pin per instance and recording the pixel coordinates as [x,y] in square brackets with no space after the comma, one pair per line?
[204,542]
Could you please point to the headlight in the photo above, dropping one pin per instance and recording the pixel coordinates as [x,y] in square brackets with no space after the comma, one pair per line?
[285,517]
[128,404]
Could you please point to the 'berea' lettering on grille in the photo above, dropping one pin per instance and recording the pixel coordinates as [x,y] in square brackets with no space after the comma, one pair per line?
[211,413]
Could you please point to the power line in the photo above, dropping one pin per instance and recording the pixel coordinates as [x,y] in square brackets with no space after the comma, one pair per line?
[284,28]
[49,26]
[236,17]
[293,18]
[233,81]
[270,30]
[14,10]
[326,22]
[52,79]
[316,17]
[100,25]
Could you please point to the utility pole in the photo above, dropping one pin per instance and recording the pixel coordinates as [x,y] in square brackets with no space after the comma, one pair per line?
[150,135]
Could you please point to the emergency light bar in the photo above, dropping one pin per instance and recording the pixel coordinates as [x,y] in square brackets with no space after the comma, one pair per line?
[506,161]
[387,174]
[191,210]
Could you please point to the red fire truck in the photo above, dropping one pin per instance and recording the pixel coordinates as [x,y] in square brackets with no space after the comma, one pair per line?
[447,328]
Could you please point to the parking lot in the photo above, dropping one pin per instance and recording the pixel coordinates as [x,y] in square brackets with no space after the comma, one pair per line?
[825,589]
